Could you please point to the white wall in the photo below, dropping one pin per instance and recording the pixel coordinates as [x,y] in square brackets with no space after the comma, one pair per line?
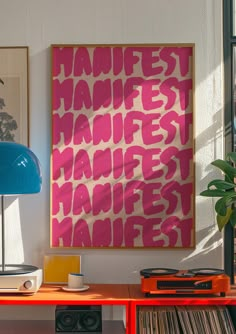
[38,24]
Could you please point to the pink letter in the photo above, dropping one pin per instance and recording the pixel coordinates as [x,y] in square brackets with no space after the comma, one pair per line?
[169,193]
[82,62]
[62,160]
[118,197]
[81,200]
[185,158]
[148,128]
[62,57]
[168,88]
[82,165]
[117,128]
[62,125]
[64,91]
[118,94]
[166,159]
[131,91]
[131,232]
[62,195]
[184,59]
[81,237]
[101,60]
[184,87]
[117,232]
[168,55]
[151,196]
[82,98]
[168,227]
[132,195]
[118,163]
[130,59]
[151,231]
[149,59]
[101,198]
[62,230]
[82,133]
[101,94]
[117,60]
[102,233]
[149,95]
[101,128]
[102,164]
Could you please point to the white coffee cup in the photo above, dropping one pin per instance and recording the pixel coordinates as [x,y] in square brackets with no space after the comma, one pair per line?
[75,281]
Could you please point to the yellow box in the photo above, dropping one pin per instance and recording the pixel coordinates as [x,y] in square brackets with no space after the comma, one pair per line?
[57,267]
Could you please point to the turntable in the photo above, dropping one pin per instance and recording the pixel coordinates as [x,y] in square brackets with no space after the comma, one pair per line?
[165,281]
[23,279]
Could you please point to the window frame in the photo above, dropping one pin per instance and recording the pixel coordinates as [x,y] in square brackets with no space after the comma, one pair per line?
[229,42]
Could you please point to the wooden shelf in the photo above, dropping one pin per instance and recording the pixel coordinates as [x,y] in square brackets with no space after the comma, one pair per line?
[48,327]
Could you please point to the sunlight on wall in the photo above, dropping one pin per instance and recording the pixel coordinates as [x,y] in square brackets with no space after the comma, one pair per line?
[205,245]
[13,232]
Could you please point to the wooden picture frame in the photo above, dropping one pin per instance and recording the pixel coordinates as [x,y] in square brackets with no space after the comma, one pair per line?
[122,162]
[14,103]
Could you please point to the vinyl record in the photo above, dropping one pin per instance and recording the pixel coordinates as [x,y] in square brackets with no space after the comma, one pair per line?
[17,269]
[157,272]
[206,271]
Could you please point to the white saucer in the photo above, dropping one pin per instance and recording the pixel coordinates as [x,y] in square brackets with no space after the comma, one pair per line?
[84,288]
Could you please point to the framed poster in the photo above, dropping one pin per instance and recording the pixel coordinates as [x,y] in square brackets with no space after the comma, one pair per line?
[14,105]
[122,170]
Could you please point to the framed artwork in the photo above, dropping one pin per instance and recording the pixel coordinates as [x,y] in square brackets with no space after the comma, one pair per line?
[14,105]
[122,158]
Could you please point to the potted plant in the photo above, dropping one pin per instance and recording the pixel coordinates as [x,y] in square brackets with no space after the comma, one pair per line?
[225,190]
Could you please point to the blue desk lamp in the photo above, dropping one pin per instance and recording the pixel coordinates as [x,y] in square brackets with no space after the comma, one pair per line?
[19,174]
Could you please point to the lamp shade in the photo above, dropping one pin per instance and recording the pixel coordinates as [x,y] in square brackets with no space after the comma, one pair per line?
[19,170]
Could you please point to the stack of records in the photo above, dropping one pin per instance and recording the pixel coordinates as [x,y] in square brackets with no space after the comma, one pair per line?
[185,320]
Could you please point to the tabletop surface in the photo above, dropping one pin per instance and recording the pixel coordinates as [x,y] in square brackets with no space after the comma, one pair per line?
[53,293]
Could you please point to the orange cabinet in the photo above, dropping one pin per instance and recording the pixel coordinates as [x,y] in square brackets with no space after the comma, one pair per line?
[97,294]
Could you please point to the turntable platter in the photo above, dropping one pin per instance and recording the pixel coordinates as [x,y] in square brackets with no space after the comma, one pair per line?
[17,269]
[158,272]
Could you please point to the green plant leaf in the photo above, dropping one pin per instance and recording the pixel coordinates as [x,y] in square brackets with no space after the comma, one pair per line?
[221,207]
[223,220]
[225,189]
[226,168]
[213,193]
[221,185]
[233,218]
[223,203]
[231,157]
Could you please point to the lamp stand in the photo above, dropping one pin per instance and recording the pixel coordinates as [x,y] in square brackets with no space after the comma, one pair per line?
[12,269]
[3,233]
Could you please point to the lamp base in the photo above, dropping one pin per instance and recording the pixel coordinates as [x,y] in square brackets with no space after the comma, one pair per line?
[14,281]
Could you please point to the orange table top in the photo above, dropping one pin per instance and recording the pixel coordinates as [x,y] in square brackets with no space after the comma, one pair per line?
[53,294]
[119,294]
